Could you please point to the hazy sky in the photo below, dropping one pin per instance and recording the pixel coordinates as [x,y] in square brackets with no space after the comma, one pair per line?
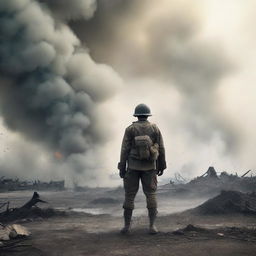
[192,62]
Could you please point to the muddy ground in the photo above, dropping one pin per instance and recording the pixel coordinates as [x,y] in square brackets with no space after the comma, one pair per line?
[98,234]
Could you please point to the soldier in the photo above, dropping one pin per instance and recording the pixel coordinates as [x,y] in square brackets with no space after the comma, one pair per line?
[142,158]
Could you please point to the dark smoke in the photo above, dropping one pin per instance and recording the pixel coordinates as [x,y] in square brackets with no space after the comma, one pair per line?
[108,26]
[50,86]
[68,10]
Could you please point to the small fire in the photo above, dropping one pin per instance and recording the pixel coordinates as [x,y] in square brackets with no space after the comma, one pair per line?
[58,155]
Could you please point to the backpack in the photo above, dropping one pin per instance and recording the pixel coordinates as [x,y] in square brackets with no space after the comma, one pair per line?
[146,149]
[143,144]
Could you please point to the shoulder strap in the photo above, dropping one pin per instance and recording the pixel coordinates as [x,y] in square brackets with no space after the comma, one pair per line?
[135,130]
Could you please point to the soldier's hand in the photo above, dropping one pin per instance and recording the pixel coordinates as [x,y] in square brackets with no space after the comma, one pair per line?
[122,173]
[160,172]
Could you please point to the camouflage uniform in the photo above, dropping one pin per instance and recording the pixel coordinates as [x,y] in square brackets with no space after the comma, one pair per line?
[144,170]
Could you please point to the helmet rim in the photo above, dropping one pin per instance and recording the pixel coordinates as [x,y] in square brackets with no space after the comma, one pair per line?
[142,110]
[141,114]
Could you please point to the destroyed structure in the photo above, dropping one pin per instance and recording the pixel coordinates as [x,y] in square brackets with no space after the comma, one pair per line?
[212,183]
[7,184]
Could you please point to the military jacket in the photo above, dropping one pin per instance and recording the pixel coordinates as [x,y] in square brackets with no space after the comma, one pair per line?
[128,157]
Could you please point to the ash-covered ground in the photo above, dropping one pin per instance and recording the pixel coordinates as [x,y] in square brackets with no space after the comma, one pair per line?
[102,201]
[195,218]
[190,232]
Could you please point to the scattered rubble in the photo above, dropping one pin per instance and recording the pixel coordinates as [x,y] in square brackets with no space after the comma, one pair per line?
[192,228]
[12,237]
[229,202]
[241,233]
[188,228]
[13,231]
[211,183]
[7,184]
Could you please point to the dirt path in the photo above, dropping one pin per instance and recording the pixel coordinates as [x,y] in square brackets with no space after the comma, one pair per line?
[99,235]
[139,244]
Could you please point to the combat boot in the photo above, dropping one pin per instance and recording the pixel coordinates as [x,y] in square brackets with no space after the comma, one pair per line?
[152,213]
[127,221]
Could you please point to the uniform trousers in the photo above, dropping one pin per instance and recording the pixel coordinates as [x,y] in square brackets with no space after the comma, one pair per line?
[131,186]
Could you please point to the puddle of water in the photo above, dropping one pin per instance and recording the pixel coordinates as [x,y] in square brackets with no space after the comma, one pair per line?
[94,211]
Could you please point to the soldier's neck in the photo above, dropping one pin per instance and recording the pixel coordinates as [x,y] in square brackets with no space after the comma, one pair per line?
[142,119]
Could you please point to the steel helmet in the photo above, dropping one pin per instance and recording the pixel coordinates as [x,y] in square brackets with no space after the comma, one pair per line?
[142,110]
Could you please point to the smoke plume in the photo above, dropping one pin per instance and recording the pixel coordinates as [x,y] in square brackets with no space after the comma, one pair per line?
[178,57]
[51,87]
[165,44]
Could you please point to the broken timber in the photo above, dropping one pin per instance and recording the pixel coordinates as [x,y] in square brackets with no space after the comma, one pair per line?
[11,214]
[33,201]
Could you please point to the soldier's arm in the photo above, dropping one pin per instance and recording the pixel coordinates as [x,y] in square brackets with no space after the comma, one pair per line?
[161,162]
[125,149]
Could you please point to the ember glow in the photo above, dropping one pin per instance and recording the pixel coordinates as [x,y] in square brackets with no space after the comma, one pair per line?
[58,155]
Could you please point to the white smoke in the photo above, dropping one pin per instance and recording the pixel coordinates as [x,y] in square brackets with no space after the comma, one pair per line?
[186,60]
